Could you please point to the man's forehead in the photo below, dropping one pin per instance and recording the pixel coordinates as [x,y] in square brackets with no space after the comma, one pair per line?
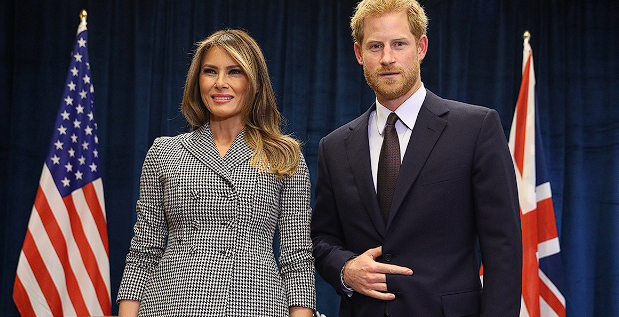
[387,27]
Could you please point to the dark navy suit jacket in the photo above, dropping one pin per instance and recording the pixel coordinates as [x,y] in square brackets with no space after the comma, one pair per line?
[456,187]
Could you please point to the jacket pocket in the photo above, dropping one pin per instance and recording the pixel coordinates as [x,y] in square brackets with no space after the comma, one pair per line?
[464,304]
[444,175]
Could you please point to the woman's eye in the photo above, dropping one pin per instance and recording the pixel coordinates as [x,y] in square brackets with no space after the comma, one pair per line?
[236,72]
[209,71]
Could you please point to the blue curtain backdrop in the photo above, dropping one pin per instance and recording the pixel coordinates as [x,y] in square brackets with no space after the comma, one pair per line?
[140,52]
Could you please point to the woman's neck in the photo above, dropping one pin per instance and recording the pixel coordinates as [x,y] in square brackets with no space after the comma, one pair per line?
[224,133]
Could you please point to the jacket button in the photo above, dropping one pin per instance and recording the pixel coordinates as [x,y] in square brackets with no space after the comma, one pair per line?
[387,257]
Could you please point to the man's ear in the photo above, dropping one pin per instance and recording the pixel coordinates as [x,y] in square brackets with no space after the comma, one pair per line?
[422,47]
[358,53]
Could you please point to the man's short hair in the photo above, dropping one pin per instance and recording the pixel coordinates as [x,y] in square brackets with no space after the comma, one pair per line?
[417,19]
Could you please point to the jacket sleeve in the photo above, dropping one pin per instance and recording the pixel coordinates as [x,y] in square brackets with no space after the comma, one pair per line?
[327,233]
[150,230]
[296,261]
[498,220]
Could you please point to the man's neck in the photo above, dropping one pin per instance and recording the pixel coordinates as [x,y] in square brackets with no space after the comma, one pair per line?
[394,104]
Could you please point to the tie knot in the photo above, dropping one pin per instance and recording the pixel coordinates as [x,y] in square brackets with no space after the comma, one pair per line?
[392,118]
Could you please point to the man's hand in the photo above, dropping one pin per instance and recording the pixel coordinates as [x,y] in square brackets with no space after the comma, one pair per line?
[367,277]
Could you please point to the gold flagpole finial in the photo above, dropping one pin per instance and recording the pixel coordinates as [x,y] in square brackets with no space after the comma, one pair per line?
[83,15]
[526,36]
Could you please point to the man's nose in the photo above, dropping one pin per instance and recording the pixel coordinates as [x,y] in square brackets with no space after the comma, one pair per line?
[387,56]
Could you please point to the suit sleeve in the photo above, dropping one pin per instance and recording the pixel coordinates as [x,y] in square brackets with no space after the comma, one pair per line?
[150,230]
[498,220]
[296,261]
[326,227]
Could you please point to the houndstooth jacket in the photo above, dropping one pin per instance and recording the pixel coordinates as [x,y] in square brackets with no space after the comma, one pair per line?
[203,243]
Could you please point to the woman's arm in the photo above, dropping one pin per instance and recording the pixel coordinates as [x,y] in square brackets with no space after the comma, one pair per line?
[298,311]
[151,231]
[295,245]
[130,308]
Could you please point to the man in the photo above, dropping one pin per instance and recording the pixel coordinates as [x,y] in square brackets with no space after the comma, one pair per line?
[400,207]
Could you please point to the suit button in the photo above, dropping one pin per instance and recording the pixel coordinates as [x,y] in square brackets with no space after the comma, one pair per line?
[387,257]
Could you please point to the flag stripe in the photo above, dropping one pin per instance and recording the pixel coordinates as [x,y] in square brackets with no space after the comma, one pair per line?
[548,248]
[551,299]
[22,300]
[97,246]
[547,229]
[85,250]
[102,247]
[68,266]
[529,262]
[89,226]
[545,310]
[543,192]
[53,266]
[523,309]
[55,234]
[42,276]
[521,118]
[97,213]
[552,288]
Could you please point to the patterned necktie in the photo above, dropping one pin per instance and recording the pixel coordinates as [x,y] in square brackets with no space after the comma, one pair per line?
[388,166]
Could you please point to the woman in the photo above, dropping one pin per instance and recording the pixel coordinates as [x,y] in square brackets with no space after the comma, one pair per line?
[211,200]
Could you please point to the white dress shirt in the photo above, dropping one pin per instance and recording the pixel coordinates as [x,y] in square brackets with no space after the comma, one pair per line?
[407,113]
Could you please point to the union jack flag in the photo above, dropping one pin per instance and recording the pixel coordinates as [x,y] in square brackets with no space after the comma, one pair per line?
[542,285]
[63,268]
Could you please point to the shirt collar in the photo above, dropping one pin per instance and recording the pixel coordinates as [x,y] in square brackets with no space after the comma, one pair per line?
[407,111]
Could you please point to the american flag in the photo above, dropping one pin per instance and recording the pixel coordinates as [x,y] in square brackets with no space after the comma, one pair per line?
[63,268]
[542,270]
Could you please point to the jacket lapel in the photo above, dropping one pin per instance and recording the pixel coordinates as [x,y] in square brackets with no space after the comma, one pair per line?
[201,145]
[358,153]
[238,153]
[425,134]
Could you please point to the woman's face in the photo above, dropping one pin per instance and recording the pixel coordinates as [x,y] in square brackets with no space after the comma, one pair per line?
[223,85]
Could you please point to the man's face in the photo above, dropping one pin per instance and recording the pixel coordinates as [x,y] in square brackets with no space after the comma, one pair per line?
[390,56]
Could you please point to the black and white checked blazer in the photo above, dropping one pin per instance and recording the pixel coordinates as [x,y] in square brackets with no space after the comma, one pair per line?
[204,234]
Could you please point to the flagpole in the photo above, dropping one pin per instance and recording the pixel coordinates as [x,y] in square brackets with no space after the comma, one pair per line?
[83,15]
[526,36]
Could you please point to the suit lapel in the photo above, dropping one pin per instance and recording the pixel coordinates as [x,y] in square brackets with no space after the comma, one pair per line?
[358,153]
[425,134]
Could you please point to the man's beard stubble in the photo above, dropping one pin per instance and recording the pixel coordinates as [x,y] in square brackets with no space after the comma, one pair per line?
[394,88]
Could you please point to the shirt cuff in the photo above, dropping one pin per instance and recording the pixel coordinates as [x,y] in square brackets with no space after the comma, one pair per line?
[345,287]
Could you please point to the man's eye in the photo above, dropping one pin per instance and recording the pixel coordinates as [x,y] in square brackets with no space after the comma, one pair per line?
[399,44]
